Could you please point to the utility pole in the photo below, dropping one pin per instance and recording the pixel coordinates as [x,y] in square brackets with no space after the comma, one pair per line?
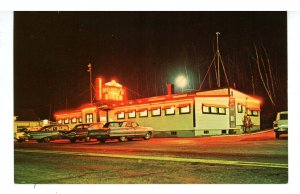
[218,60]
[91,86]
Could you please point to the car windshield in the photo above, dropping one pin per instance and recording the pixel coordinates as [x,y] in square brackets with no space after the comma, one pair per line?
[113,124]
[283,116]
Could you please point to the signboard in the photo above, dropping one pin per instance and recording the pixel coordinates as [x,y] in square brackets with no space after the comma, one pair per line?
[110,91]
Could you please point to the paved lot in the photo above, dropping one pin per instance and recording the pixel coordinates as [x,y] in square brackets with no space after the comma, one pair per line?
[251,158]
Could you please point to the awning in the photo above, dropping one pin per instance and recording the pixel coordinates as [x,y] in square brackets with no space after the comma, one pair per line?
[167,107]
[254,108]
[155,108]
[216,105]
[120,111]
[183,105]
[141,109]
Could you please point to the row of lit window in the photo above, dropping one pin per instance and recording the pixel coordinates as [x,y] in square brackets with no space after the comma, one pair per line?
[241,108]
[73,121]
[154,112]
[213,110]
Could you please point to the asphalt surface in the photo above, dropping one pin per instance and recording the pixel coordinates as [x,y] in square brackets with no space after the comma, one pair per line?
[258,147]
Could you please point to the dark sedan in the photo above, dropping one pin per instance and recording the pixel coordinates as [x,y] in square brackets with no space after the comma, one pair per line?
[79,132]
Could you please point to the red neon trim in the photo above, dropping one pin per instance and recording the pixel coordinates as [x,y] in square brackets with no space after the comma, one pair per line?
[120,111]
[253,108]
[167,107]
[155,108]
[129,111]
[142,109]
[183,105]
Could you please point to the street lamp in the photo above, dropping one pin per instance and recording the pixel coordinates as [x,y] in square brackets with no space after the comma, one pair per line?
[181,82]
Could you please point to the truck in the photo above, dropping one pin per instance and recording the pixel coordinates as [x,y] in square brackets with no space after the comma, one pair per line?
[280,125]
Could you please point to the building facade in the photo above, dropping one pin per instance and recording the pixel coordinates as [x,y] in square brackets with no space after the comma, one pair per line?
[202,113]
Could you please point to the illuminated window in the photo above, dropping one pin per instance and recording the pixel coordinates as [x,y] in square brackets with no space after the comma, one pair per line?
[131,114]
[252,112]
[144,113]
[74,120]
[66,121]
[121,115]
[59,121]
[80,120]
[170,111]
[222,111]
[89,118]
[240,108]
[156,112]
[205,109]
[214,110]
[184,110]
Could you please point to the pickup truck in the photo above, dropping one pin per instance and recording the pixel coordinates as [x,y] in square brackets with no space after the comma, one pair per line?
[121,130]
[280,125]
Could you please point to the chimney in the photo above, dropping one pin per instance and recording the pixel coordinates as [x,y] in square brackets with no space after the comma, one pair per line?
[170,89]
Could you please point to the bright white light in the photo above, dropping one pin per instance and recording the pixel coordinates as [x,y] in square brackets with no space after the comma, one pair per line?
[181,81]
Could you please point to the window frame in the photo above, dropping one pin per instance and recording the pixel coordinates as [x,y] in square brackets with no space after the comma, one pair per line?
[180,110]
[130,117]
[89,117]
[158,115]
[143,116]
[171,108]
[118,115]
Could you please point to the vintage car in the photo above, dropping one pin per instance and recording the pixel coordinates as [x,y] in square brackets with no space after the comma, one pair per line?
[49,132]
[21,135]
[79,132]
[280,125]
[121,130]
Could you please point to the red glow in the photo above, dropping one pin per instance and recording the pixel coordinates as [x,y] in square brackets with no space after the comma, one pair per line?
[155,108]
[183,105]
[110,91]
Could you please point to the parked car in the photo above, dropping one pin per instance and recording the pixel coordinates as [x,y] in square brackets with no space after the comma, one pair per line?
[280,125]
[121,130]
[21,135]
[49,132]
[79,132]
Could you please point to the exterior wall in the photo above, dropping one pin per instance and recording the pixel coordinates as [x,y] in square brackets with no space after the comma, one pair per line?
[90,110]
[179,125]
[247,102]
[21,124]
[211,124]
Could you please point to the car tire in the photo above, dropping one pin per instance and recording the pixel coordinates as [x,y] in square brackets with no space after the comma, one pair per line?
[86,139]
[73,140]
[46,140]
[277,135]
[122,139]
[147,136]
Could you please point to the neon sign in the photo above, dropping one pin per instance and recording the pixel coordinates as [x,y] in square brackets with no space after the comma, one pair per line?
[110,91]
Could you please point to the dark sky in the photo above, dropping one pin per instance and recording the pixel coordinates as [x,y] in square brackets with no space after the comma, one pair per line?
[142,50]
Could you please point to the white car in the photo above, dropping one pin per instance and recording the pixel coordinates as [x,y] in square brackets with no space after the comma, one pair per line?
[280,125]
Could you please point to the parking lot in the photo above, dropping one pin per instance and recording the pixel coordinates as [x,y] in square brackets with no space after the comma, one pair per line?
[250,158]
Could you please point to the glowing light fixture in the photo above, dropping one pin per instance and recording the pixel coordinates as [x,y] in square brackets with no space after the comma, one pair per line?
[181,82]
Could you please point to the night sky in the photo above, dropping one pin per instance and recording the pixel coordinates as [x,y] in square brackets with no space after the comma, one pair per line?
[143,51]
